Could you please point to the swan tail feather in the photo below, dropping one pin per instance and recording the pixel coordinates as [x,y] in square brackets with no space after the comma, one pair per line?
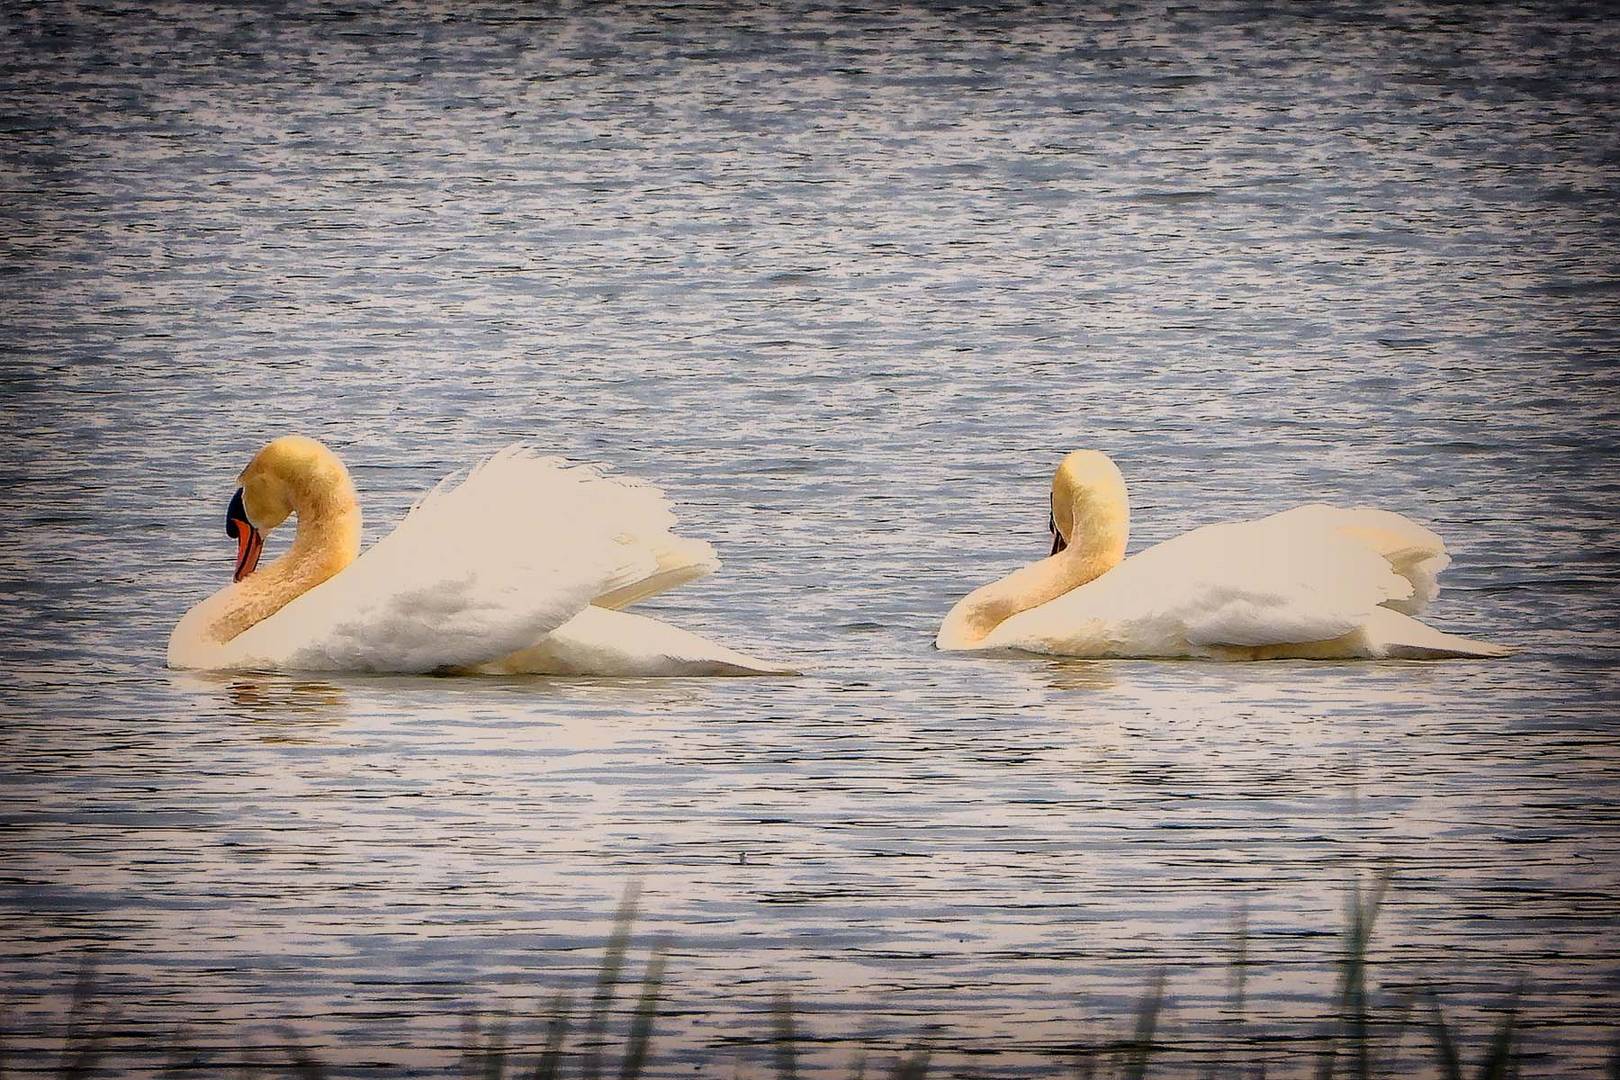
[625,645]
[1398,636]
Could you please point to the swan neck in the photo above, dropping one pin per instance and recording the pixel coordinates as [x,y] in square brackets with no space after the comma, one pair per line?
[328,536]
[327,541]
[978,614]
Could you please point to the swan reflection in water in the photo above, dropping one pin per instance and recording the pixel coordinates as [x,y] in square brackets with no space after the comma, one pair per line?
[1094,676]
[266,697]
[518,714]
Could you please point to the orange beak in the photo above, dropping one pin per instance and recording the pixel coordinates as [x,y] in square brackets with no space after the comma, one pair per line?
[249,541]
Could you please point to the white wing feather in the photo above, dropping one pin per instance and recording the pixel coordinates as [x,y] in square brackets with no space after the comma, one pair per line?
[480,568]
[1412,551]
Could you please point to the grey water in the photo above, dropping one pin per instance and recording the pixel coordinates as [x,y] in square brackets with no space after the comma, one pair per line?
[846,281]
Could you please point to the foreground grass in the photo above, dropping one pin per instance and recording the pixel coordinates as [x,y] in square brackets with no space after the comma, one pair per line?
[1357,1040]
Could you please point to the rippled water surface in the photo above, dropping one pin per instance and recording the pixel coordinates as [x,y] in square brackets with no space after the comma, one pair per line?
[846,283]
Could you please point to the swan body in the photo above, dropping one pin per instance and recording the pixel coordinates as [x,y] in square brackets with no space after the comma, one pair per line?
[518,567]
[1314,582]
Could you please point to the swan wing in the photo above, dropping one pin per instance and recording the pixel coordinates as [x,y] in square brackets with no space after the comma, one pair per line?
[1279,580]
[1412,551]
[484,565]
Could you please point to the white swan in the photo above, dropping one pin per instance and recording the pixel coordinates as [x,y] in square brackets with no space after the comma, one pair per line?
[1315,582]
[519,567]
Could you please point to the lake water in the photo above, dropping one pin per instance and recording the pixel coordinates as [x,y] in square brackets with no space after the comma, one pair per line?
[846,283]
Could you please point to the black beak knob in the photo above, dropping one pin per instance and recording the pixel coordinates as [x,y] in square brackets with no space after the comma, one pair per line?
[236,515]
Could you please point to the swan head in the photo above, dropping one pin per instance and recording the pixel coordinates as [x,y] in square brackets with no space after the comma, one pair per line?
[1089,505]
[291,475]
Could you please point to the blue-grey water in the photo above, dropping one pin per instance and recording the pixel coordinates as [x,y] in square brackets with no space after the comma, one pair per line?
[846,282]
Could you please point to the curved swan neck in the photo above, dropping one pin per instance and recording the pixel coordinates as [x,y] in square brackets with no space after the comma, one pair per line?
[327,541]
[1090,506]
[987,607]
[328,536]
[1092,513]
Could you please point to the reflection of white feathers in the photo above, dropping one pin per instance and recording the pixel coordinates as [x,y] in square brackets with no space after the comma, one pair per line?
[1312,581]
[489,566]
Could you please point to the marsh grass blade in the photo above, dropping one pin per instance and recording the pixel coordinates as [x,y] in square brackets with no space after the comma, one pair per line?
[913,1068]
[607,982]
[1351,1030]
[304,1065]
[1445,1047]
[483,1057]
[641,1027]
[1139,1050]
[784,1037]
[1397,1032]
[494,1055]
[1239,977]
[1237,982]
[550,1062]
[1501,1056]
[1501,1060]
[184,1056]
[85,1043]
